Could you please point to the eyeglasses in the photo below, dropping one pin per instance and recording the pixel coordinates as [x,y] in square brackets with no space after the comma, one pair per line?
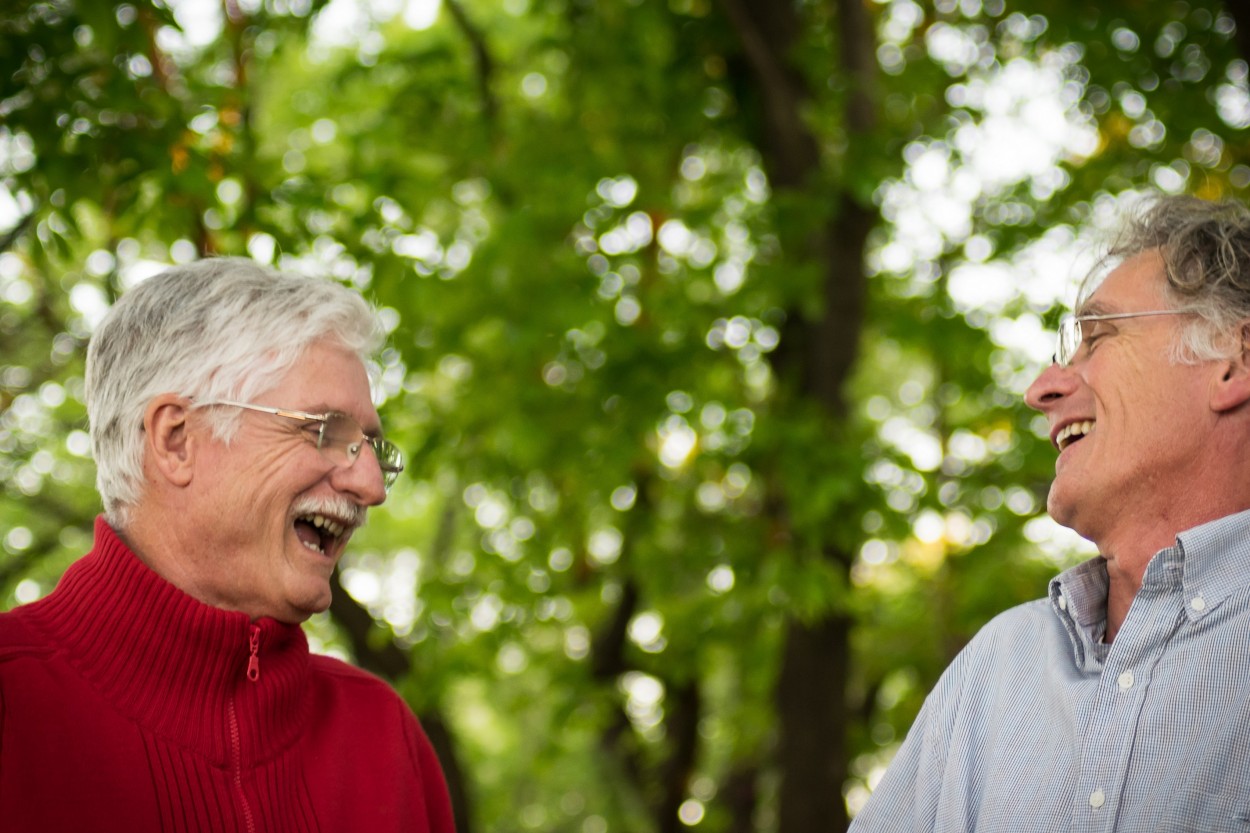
[1072,333]
[339,438]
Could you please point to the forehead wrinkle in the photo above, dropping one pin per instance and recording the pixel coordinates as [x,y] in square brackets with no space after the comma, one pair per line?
[1095,307]
[1092,304]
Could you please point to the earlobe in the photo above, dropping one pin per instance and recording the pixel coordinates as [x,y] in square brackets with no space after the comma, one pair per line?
[169,443]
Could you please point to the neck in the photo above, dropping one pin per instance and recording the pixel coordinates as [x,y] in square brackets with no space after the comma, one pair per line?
[1121,591]
[162,547]
[1128,551]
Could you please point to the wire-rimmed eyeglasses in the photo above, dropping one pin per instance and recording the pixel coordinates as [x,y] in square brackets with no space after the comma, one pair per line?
[1072,332]
[339,437]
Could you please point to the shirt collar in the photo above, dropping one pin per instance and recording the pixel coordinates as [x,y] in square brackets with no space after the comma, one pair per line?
[1213,560]
[1216,562]
[1078,596]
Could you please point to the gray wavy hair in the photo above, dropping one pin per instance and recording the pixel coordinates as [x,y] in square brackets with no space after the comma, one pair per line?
[222,328]
[1206,253]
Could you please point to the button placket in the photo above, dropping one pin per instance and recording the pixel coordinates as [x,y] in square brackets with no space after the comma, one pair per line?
[1127,671]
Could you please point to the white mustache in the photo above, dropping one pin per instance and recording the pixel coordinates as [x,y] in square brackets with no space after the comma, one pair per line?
[350,514]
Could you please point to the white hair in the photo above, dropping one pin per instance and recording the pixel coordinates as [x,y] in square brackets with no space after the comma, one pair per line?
[1205,248]
[222,328]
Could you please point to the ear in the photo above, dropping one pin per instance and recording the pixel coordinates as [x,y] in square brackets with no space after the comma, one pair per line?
[170,445]
[1231,389]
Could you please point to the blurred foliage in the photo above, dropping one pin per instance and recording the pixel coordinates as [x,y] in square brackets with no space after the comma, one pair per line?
[618,502]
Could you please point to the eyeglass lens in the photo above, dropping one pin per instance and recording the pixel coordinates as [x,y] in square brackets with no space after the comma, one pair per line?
[341,439]
[1070,337]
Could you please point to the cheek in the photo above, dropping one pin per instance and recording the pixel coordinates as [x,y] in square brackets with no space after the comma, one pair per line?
[1149,416]
[265,492]
[1118,398]
[286,467]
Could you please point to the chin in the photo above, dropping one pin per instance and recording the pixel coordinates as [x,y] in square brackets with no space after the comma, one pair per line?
[1067,514]
[1060,507]
[315,604]
[298,615]
[311,595]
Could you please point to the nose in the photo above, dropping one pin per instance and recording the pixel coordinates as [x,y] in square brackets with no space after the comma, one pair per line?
[362,479]
[1049,387]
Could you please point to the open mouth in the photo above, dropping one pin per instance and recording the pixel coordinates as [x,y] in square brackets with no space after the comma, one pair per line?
[320,532]
[1073,433]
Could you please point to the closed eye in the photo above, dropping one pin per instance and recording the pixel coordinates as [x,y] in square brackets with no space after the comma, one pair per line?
[1096,333]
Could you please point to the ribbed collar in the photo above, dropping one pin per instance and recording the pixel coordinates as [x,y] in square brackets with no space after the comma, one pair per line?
[174,664]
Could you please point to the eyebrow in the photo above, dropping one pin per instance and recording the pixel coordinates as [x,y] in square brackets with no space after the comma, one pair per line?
[374,432]
[1094,307]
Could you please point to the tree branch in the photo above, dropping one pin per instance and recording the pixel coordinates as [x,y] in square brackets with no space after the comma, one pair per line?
[14,234]
[483,62]
[685,708]
[859,62]
[1240,11]
[766,38]
[607,662]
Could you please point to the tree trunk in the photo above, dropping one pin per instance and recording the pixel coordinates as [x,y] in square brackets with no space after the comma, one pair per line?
[816,359]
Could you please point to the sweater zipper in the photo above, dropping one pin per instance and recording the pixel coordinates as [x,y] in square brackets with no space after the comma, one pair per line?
[253,660]
[236,749]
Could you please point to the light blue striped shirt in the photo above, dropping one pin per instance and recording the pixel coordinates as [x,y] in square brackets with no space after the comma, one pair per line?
[1039,726]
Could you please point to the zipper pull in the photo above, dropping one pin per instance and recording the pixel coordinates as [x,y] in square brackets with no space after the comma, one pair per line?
[253,661]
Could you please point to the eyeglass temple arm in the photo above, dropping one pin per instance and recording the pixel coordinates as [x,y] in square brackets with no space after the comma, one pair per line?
[265,409]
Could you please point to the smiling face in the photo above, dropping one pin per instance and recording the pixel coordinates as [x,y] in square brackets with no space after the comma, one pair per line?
[1128,422]
[267,516]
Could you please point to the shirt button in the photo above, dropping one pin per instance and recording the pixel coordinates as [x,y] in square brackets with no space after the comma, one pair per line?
[1125,680]
[1063,602]
[1097,798]
[1198,603]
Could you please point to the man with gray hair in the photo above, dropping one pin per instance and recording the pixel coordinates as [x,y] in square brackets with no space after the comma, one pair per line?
[166,684]
[1122,701]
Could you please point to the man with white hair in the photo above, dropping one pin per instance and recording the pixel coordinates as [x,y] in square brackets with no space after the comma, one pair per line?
[166,684]
[1122,701]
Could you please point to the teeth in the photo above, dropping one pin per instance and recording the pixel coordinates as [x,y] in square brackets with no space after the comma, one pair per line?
[1071,432]
[331,526]
[325,524]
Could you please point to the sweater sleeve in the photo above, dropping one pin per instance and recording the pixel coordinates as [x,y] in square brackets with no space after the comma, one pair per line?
[429,775]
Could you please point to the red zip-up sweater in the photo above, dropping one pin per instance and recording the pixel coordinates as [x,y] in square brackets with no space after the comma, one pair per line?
[127,705]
